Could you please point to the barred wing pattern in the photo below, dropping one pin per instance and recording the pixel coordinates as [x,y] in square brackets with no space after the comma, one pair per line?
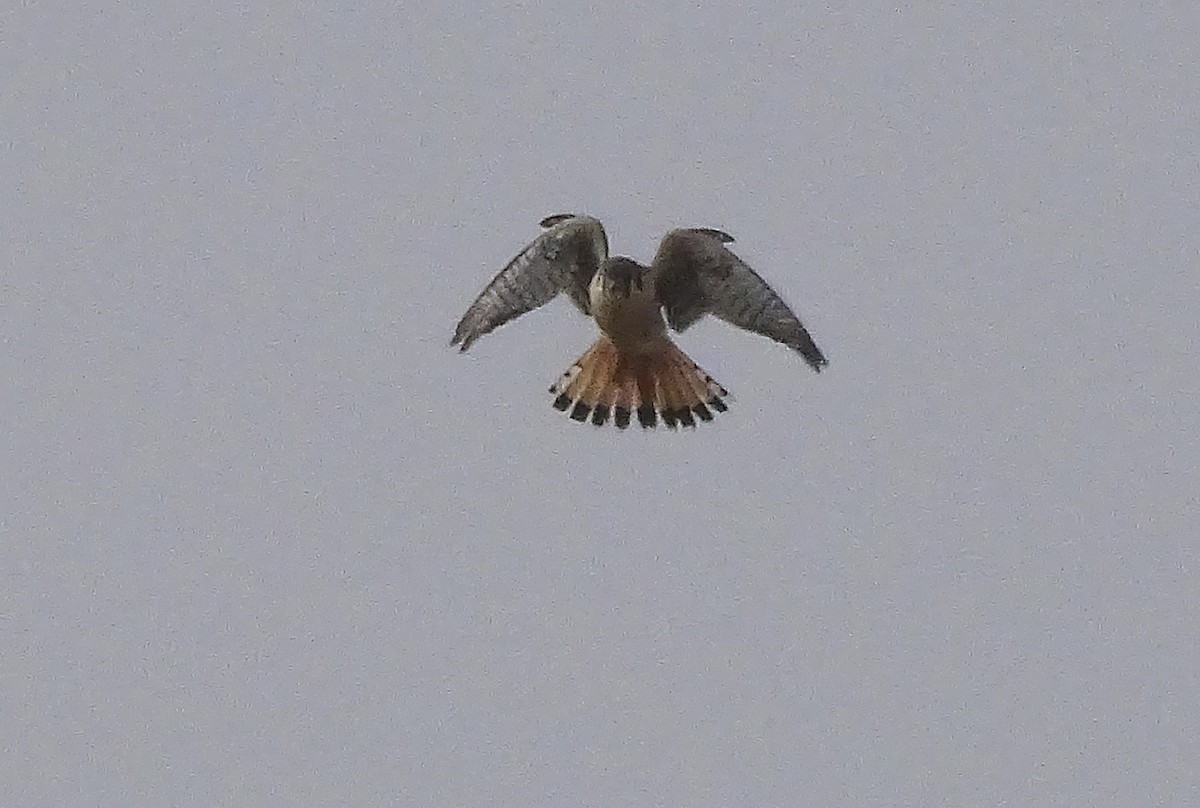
[697,275]
[562,259]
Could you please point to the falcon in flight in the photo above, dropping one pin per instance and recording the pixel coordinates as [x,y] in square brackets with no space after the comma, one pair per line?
[634,369]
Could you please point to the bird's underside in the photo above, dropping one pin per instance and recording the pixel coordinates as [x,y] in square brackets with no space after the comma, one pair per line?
[634,370]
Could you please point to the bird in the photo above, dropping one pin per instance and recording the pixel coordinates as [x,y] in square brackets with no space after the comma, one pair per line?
[634,369]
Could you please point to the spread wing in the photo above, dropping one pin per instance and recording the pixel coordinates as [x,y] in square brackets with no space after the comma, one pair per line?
[562,259]
[697,275]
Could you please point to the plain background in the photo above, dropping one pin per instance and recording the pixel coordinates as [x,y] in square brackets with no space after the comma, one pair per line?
[269,541]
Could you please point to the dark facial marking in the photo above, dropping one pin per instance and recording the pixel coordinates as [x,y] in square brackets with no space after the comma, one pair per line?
[624,275]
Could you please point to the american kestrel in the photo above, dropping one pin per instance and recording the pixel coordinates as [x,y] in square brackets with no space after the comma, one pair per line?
[634,368]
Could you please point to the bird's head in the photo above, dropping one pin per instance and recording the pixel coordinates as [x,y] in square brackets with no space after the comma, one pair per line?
[623,275]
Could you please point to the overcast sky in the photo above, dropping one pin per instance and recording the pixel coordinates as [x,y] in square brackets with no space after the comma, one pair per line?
[267,540]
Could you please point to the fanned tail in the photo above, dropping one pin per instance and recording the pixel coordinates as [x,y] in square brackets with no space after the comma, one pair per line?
[663,383]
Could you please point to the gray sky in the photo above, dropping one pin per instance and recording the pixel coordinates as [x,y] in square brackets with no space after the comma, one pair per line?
[268,540]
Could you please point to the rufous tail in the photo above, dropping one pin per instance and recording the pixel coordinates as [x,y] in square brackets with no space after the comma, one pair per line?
[663,383]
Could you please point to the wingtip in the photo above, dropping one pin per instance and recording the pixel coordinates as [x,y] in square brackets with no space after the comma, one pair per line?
[812,355]
[556,218]
[719,235]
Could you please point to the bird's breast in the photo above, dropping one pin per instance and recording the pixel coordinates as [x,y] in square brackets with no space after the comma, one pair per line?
[629,315]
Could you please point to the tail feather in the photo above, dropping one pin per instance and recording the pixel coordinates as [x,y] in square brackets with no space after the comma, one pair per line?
[665,384]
